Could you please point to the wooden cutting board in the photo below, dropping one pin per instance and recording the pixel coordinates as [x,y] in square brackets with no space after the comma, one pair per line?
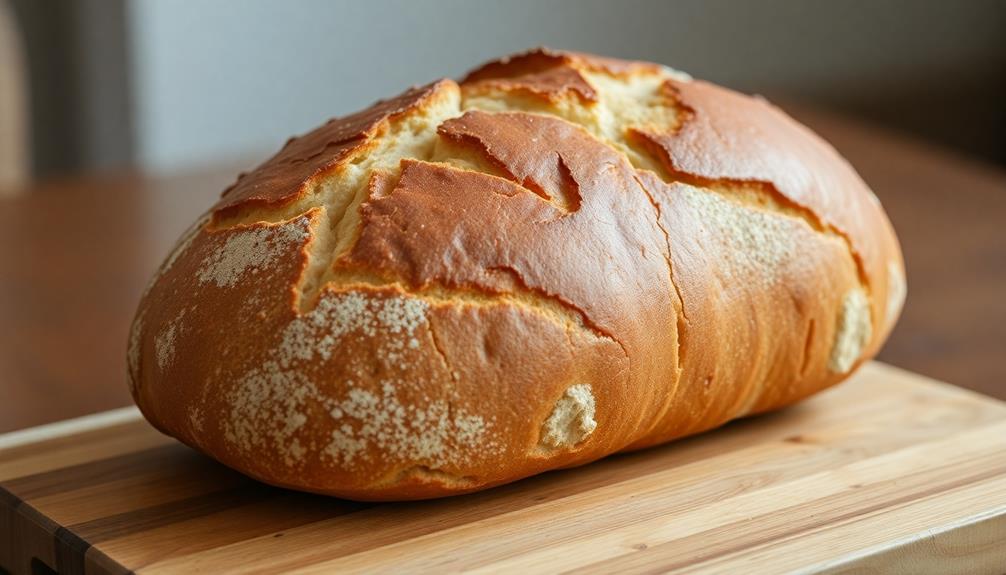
[888,472]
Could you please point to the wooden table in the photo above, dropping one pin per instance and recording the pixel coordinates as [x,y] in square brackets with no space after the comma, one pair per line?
[76,253]
[887,473]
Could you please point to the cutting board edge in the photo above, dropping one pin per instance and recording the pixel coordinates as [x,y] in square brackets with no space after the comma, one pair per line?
[66,427]
[65,548]
[984,532]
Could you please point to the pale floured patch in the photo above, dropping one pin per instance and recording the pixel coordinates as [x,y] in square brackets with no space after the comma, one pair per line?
[196,419]
[897,290]
[248,250]
[317,332]
[268,405]
[853,332]
[164,343]
[572,419]
[756,244]
[433,434]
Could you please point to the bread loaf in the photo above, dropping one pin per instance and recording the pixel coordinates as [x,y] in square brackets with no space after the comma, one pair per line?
[558,258]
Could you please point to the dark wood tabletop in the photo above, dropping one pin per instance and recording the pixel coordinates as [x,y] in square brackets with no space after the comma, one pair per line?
[76,253]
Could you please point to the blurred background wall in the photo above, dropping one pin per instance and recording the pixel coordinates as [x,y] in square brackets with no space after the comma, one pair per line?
[169,85]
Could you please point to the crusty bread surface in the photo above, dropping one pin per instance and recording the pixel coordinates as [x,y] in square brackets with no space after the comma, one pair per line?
[558,258]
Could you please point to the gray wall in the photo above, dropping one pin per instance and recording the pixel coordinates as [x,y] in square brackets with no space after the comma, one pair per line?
[78,78]
[222,79]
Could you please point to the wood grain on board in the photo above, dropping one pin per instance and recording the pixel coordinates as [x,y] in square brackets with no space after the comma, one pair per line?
[889,471]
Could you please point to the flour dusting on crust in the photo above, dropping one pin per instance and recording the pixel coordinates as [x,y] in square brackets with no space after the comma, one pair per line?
[270,404]
[249,250]
[758,243]
[431,434]
[164,343]
[317,332]
[266,408]
[196,420]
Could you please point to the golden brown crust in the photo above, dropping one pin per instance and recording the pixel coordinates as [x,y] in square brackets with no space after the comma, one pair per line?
[540,61]
[734,138]
[307,158]
[581,256]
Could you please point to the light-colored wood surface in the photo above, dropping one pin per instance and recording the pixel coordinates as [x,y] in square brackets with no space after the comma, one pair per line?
[889,472]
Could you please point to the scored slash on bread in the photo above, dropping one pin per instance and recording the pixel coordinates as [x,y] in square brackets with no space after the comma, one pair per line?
[558,258]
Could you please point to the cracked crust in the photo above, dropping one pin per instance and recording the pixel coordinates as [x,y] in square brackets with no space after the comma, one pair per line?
[398,304]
